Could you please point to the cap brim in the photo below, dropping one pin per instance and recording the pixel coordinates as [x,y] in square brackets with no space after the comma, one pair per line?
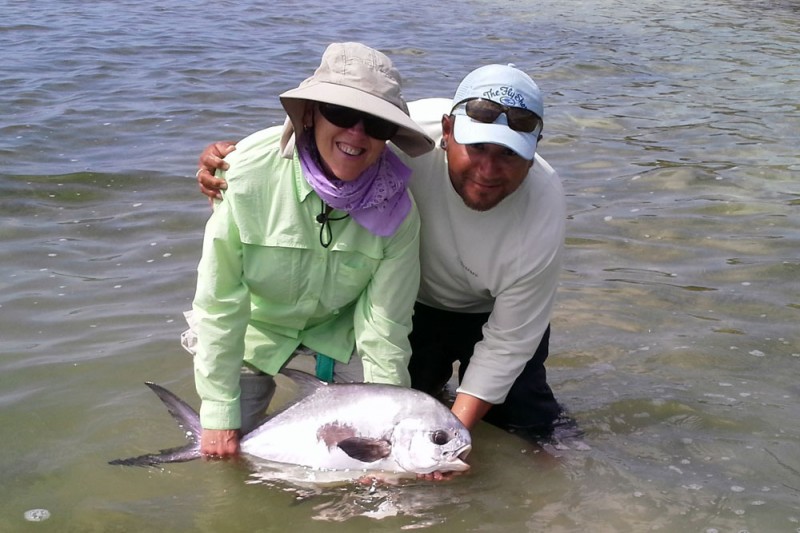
[468,131]
[410,137]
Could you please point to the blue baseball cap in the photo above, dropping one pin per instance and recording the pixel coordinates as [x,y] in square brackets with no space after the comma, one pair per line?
[508,86]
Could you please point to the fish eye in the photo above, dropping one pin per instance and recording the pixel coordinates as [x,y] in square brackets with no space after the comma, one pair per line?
[440,437]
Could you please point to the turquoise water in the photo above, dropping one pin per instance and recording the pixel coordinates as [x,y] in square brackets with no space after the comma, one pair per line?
[675,341]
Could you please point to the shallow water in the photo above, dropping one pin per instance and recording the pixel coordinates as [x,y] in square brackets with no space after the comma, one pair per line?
[675,341]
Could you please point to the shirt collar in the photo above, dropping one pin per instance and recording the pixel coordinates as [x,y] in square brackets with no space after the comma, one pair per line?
[301,186]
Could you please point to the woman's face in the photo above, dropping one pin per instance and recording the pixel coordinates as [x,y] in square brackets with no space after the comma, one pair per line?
[345,152]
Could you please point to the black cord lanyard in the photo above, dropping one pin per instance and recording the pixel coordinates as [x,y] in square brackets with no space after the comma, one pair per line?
[325,220]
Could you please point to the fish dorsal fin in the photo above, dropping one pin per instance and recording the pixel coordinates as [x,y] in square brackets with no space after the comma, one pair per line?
[366,450]
[306,383]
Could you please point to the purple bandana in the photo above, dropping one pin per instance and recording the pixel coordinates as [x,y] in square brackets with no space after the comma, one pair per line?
[377,199]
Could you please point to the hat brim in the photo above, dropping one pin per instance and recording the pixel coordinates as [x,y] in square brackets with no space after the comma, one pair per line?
[410,138]
[469,131]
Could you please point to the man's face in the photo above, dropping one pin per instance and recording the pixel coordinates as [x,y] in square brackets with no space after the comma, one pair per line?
[482,174]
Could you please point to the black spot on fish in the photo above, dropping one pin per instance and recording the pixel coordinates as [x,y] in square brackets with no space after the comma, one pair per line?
[367,450]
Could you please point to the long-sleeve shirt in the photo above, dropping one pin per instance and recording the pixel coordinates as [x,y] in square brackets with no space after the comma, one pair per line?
[505,260]
[266,285]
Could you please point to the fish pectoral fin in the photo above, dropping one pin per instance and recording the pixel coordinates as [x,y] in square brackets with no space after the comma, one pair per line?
[367,450]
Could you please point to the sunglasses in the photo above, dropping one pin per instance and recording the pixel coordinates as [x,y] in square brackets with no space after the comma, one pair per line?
[345,117]
[487,111]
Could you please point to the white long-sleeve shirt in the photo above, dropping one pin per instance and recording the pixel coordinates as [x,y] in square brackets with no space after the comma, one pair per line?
[505,260]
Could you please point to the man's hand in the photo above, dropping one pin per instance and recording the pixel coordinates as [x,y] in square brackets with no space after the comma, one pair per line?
[469,409]
[376,478]
[438,476]
[219,443]
[210,160]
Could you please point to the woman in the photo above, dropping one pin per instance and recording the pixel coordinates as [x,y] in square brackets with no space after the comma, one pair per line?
[315,243]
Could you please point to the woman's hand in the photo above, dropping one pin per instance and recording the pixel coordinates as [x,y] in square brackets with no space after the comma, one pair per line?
[219,443]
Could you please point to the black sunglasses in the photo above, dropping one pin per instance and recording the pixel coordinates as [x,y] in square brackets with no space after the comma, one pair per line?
[345,117]
[487,111]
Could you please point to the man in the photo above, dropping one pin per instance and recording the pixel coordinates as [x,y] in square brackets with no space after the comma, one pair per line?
[493,222]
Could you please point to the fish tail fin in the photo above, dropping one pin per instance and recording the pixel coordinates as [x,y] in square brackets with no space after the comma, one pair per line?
[187,419]
[173,455]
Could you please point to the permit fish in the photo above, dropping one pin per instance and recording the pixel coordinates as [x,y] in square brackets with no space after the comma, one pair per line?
[340,427]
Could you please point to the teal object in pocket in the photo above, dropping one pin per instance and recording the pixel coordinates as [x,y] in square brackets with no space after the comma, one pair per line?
[324,368]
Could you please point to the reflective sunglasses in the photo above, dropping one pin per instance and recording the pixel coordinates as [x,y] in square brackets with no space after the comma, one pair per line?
[345,117]
[487,111]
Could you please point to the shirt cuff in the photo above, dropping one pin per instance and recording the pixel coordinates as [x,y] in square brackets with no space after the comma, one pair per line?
[220,415]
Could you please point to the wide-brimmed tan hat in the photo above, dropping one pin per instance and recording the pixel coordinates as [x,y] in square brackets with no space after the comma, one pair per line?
[356,76]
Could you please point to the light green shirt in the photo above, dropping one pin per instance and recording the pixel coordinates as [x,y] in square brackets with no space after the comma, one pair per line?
[265,284]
